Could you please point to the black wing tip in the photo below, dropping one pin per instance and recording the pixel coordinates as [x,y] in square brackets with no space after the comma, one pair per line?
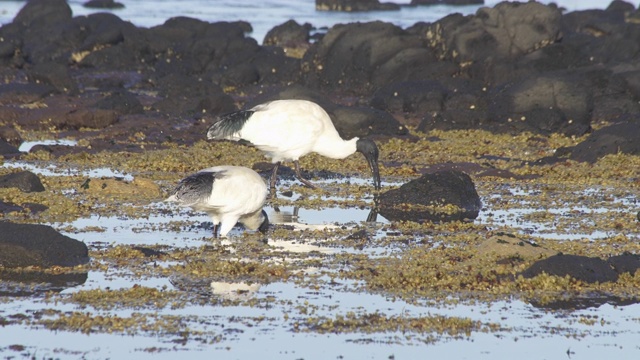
[228,124]
[196,186]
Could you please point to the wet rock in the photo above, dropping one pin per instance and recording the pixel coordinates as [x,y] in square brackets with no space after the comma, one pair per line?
[592,300]
[10,135]
[464,107]
[7,207]
[56,75]
[546,104]
[625,263]
[354,5]
[103,4]
[24,93]
[45,31]
[24,245]
[273,67]
[441,196]
[186,96]
[43,13]
[506,31]
[411,97]
[510,247]
[26,181]
[7,149]
[289,34]
[361,55]
[102,31]
[361,121]
[583,268]
[606,35]
[123,102]
[613,139]
[87,118]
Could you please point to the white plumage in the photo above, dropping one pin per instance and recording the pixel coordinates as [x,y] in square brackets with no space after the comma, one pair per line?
[229,194]
[288,129]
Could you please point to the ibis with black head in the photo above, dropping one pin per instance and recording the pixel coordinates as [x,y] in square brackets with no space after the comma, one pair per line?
[286,130]
[229,194]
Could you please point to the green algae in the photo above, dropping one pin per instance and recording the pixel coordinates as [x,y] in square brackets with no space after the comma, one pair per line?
[439,262]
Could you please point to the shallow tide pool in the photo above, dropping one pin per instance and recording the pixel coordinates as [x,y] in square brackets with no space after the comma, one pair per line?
[313,312]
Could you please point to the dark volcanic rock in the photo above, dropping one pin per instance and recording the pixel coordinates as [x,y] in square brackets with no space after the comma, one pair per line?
[354,5]
[24,245]
[43,13]
[362,121]
[288,34]
[87,118]
[26,181]
[24,93]
[546,104]
[424,199]
[362,55]
[625,263]
[123,102]
[411,97]
[45,31]
[10,135]
[7,149]
[103,4]
[613,139]
[184,95]
[7,207]
[56,75]
[506,31]
[583,268]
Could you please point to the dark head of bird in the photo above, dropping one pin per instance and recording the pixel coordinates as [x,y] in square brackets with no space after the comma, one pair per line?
[370,151]
[264,226]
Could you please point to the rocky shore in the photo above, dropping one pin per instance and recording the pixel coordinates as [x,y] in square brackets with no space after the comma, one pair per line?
[516,68]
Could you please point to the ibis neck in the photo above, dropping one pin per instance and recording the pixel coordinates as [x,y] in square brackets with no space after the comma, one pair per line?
[336,148]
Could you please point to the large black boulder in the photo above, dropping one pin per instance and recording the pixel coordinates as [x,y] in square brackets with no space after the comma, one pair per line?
[584,268]
[545,104]
[26,181]
[288,34]
[24,245]
[506,31]
[361,56]
[441,196]
[617,138]
[6,149]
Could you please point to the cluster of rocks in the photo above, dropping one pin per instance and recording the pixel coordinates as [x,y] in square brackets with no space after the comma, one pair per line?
[511,68]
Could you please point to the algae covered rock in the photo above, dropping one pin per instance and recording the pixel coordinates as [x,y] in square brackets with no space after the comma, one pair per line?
[23,245]
[442,196]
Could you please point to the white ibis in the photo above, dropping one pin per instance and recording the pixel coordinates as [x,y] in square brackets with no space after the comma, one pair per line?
[288,129]
[229,194]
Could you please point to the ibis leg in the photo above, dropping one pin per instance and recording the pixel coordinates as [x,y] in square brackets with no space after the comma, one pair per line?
[215,231]
[303,180]
[274,176]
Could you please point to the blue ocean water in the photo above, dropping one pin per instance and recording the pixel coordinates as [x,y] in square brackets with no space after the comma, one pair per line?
[264,15]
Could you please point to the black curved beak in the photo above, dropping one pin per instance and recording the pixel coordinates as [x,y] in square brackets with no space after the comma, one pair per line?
[264,226]
[373,164]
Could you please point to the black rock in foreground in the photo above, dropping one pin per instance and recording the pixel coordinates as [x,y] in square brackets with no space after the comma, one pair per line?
[24,245]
